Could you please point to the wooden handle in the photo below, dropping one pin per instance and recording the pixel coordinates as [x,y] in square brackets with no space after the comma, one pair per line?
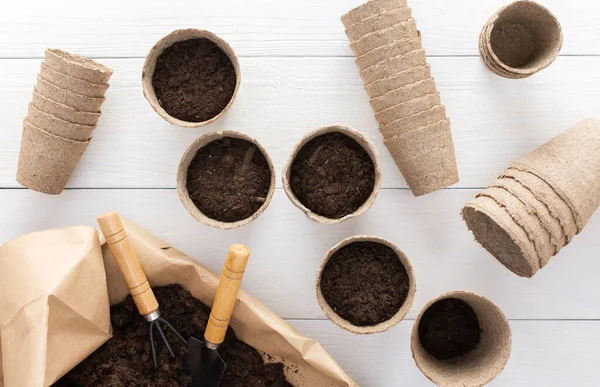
[128,263]
[231,279]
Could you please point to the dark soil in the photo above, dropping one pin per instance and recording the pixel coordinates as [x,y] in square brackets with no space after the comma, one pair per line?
[126,359]
[332,175]
[228,179]
[365,283]
[449,328]
[194,80]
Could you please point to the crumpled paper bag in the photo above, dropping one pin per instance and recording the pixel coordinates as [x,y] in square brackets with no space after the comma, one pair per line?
[255,324]
[54,308]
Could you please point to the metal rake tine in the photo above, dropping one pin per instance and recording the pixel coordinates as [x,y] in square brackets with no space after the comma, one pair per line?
[168,324]
[153,345]
[164,338]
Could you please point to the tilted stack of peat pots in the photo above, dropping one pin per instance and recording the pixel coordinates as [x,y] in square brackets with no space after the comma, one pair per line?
[62,115]
[541,202]
[389,53]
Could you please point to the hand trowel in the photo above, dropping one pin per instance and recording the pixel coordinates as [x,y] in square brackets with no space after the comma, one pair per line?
[206,365]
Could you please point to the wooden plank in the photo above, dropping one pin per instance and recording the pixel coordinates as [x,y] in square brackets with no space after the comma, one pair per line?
[544,353]
[429,230]
[257,28]
[495,121]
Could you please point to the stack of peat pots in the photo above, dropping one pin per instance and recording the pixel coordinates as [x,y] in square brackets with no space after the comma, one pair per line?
[389,53]
[540,202]
[62,115]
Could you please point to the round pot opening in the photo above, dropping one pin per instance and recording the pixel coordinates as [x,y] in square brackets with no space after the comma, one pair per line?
[461,339]
[333,174]
[524,37]
[191,77]
[225,179]
[365,284]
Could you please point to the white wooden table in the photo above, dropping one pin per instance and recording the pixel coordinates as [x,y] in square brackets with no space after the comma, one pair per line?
[297,74]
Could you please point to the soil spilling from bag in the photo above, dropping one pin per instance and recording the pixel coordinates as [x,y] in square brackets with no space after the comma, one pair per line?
[126,359]
[228,179]
[194,80]
[449,328]
[365,283]
[332,175]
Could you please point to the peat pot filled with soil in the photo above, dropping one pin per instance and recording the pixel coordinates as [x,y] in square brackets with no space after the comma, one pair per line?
[332,175]
[225,179]
[461,339]
[365,284]
[191,77]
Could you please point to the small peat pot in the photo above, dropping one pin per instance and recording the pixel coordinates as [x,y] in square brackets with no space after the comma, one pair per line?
[520,39]
[333,174]
[225,179]
[461,339]
[191,77]
[365,284]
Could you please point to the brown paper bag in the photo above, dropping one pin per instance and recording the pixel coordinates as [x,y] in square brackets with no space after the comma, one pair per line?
[252,322]
[570,164]
[378,22]
[370,8]
[54,308]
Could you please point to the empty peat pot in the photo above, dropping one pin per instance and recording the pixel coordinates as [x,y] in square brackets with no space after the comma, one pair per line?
[365,284]
[332,174]
[461,339]
[520,39]
[191,77]
[225,179]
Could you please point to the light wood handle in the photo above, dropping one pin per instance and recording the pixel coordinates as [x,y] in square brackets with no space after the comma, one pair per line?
[231,279]
[128,263]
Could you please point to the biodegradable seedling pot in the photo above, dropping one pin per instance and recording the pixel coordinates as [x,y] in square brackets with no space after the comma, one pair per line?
[182,172]
[403,94]
[46,161]
[477,367]
[406,109]
[520,39]
[63,112]
[383,326]
[373,40]
[75,101]
[77,66]
[160,47]
[414,122]
[57,126]
[425,157]
[369,9]
[378,22]
[392,50]
[358,138]
[76,85]
[391,66]
[398,80]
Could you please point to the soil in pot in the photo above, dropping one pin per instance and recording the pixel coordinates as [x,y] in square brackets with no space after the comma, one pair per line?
[228,179]
[449,328]
[126,360]
[194,80]
[365,283]
[332,175]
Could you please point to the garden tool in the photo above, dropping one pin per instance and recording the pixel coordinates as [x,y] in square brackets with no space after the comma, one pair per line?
[206,365]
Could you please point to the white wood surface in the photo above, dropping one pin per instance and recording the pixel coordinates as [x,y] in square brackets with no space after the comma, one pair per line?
[298,74]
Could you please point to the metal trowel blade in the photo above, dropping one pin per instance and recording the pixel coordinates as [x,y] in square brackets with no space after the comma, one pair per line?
[206,365]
